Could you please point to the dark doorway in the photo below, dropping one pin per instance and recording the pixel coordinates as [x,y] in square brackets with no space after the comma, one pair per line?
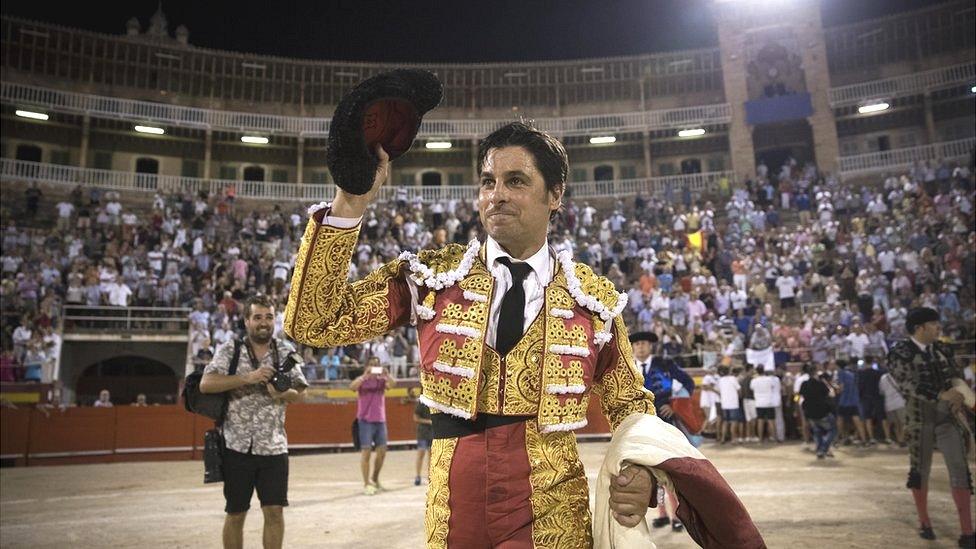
[127,376]
[147,165]
[691,165]
[29,153]
[774,159]
[603,173]
[430,179]
[253,173]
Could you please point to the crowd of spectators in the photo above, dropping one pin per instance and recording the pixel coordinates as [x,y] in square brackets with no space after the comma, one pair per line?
[792,266]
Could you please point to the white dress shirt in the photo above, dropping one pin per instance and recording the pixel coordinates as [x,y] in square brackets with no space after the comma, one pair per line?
[542,263]
[534,284]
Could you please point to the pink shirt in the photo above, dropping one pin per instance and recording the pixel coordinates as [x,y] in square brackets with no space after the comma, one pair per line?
[371,404]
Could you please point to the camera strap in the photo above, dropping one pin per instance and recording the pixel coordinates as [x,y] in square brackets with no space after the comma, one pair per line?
[253,358]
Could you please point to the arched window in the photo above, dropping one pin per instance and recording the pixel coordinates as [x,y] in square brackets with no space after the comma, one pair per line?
[253,173]
[147,165]
[430,179]
[603,172]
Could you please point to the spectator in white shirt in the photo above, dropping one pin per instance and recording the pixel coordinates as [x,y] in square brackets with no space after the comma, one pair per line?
[732,418]
[766,389]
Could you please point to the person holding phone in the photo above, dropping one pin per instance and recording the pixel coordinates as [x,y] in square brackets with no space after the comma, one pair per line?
[371,415]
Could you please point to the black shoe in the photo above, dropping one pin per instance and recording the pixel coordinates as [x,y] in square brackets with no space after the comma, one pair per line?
[820,456]
[660,522]
[967,540]
[925,532]
[676,526]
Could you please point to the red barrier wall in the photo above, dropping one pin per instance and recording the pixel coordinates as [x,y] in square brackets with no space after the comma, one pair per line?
[125,433]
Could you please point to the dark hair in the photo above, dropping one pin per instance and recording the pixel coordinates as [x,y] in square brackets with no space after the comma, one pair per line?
[260,300]
[549,154]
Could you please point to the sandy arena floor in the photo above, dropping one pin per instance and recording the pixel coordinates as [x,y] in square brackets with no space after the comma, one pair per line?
[855,500]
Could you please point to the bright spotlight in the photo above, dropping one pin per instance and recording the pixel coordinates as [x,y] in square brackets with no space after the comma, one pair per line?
[441,145]
[696,132]
[603,140]
[255,139]
[875,107]
[31,114]
[150,129]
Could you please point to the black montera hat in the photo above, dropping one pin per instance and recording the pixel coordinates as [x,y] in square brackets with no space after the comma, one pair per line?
[390,104]
[643,336]
[918,316]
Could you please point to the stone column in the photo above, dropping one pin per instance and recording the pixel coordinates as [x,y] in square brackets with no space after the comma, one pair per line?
[741,148]
[648,171]
[207,151]
[301,160]
[930,132]
[810,37]
[85,131]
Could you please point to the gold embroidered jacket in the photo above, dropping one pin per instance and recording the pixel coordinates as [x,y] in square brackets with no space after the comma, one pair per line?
[576,345]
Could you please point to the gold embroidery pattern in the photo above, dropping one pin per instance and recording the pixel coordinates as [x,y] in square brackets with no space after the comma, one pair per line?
[524,372]
[438,493]
[560,494]
[622,385]
[488,387]
[459,393]
[564,370]
[597,286]
[323,309]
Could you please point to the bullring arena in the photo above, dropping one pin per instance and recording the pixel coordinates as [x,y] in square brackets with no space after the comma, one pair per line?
[780,191]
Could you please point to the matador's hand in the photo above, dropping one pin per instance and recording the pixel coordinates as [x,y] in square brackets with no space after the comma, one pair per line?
[631,492]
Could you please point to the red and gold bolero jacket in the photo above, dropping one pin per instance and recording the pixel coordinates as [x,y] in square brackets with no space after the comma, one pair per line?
[576,344]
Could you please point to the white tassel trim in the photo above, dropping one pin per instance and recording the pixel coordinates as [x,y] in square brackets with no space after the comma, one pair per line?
[316,207]
[424,312]
[446,409]
[602,337]
[461,371]
[569,350]
[575,289]
[474,296]
[563,426]
[424,275]
[458,330]
[561,313]
[566,389]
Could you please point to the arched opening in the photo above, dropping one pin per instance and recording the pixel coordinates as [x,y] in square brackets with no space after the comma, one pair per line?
[253,173]
[29,153]
[147,165]
[127,376]
[691,165]
[603,172]
[430,179]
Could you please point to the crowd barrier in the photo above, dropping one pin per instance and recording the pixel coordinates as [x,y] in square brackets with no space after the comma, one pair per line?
[53,436]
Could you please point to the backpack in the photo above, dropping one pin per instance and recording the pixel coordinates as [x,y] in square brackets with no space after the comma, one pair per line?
[211,405]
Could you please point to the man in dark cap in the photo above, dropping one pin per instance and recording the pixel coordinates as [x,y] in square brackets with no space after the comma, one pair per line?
[660,373]
[924,370]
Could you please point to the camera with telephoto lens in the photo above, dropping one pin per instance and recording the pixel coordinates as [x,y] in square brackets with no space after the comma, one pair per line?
[280,380]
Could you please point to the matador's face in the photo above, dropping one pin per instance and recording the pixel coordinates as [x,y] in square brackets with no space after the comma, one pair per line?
[513,202]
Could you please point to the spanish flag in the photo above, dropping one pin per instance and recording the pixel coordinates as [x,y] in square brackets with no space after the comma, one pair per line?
[696,240]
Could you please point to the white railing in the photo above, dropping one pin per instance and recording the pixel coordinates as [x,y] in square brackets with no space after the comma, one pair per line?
[148,112]
[900,86]
[22,171]
[903,158]
[125,320]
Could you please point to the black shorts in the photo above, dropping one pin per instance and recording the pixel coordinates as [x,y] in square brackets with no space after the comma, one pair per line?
[245,472]
[872,408]
[787,302]
[766,413]
[848,411]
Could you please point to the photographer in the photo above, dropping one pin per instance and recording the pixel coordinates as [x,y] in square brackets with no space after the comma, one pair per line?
[371,417]
[256,453]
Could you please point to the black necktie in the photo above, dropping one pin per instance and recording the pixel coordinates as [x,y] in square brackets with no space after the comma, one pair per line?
[511,317]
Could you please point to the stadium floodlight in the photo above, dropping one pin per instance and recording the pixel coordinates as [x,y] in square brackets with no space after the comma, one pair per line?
[873,107]
[254,139]
[439,145]
[973,89]
[694,132]
[31,114]
[150,129]
[603,140]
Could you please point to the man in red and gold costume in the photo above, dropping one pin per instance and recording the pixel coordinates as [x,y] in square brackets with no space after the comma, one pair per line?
[514,340]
